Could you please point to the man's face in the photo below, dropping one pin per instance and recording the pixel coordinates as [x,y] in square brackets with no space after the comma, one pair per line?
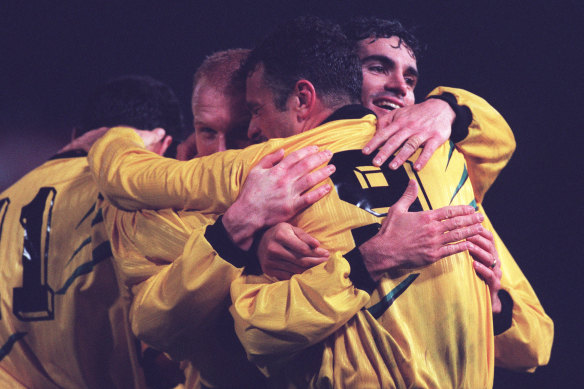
[221,120]
[389,74]
[266,120]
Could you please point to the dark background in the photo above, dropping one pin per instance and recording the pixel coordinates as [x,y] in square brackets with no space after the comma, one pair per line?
[525,59]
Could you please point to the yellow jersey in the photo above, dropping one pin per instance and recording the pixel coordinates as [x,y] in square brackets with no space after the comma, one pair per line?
[63,320]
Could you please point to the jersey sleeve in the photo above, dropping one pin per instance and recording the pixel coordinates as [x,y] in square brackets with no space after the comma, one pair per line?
[170,268]
[133,178]
[489,143]
[311,306]
[527,343]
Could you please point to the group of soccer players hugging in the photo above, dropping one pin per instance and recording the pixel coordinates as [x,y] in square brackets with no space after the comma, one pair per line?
[318,228]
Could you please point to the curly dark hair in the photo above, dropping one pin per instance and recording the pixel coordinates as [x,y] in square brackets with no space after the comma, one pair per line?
[312,49]
[363,27]
[137,101]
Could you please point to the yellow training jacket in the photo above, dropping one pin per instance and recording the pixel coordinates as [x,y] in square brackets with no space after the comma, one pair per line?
[180,293]
[322,303]
[63,320]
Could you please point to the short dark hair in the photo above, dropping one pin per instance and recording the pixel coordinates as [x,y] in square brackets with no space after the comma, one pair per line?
[137,101]
[312,49]
[363,27]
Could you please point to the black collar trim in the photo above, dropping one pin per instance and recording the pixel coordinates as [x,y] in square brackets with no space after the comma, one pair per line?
[70,154]
[353,111]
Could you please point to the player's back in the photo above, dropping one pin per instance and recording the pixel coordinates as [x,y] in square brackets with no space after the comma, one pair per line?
[431,326]
[63,321]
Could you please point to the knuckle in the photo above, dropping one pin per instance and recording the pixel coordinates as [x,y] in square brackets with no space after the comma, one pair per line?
[414,142]
[477,229]
[287,209]
[435,241]
[426,218]
[279,232]
[310,180]
[432,256]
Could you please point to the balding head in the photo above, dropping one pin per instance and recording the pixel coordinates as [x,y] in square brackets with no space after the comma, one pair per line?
[218,103]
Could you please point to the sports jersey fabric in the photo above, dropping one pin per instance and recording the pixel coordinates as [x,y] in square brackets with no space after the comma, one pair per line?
[180,301]
[326,330]
[63,318]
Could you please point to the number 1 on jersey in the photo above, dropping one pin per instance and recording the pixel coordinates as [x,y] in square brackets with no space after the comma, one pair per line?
[35,299]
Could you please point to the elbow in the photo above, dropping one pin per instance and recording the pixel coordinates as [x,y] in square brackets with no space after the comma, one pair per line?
[526,353]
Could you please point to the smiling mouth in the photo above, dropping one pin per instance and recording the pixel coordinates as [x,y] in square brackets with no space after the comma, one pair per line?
[388,105]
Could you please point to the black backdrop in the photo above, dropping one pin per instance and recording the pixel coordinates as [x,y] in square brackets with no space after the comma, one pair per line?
[524,58]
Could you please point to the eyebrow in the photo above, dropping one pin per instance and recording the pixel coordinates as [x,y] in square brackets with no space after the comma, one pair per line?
[386,61]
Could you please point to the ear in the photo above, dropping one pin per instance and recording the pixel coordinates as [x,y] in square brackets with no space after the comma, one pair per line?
[305,99]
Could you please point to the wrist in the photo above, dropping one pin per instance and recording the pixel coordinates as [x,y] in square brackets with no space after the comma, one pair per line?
[241,225]
[446,110]
[462,116]
[496,304]
[217,236]
[375,264]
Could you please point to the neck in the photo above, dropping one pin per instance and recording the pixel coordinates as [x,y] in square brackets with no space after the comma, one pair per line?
[318,116]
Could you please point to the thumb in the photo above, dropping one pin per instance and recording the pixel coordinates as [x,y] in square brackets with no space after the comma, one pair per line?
[271,159]
[408,197]
[150,138]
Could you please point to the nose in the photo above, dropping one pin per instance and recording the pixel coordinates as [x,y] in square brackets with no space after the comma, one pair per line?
[396,83]
[253,131]
[221,143]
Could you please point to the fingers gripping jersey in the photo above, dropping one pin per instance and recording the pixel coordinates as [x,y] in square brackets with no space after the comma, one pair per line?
[63,323]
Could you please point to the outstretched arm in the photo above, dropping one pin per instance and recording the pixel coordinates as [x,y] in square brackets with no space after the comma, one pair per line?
[133,178]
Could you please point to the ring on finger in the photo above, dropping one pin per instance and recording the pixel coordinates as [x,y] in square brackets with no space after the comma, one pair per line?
[493,264]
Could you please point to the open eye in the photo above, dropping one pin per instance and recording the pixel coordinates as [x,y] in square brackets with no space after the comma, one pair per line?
[411,81]
[376,68]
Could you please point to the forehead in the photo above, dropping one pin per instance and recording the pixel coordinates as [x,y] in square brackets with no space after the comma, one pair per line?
[213,107]
[390,48]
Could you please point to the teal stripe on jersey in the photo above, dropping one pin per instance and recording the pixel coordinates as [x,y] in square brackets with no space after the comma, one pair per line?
[378,309]
[463,179]
[473,203]
[78,249]
[98,218]
[86,215]
[100,253]
[451,144]
[5,350]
